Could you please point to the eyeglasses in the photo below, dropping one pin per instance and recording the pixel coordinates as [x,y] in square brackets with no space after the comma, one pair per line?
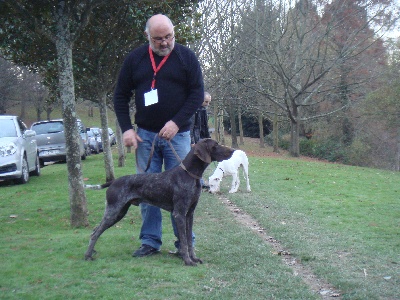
[160,40]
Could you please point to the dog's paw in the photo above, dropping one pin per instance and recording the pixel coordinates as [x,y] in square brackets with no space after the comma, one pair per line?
[190,263]
[89,256]
[198,260]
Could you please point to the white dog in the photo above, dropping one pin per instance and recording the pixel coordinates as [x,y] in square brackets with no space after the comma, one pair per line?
[230,167]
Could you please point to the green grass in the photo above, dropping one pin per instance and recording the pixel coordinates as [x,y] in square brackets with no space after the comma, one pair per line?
[341,221]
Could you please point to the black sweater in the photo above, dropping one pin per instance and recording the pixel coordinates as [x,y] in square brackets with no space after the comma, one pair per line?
[179,84]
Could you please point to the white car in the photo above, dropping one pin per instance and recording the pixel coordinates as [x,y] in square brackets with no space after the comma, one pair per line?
[18,150]
[113,139]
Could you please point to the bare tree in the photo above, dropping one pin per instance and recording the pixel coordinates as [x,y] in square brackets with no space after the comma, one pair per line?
[293,46]
[9,85]
[215,49]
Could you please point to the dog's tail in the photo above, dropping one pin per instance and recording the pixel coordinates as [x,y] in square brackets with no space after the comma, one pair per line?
[98,186]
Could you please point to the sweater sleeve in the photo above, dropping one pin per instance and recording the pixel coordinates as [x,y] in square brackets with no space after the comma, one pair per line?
[195,91]
[122,95]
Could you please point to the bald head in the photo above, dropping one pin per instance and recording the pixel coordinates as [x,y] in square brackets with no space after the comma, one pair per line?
[158,22]
[161,35]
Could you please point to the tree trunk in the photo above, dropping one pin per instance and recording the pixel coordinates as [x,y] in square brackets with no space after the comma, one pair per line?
[276,133]
[108,160]
[221,129]
[48,114]
[294,139]
[397,166]
[261,129]
[38,114]
[90,111]
[77,196]
[120,145]
[232,118]
[216,121]
[241,142]
[23,109]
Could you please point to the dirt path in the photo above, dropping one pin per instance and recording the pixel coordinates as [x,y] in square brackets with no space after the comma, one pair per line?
[317,285]
[252,148]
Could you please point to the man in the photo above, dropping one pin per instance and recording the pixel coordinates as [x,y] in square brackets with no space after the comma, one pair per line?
[168,85]
[199,129]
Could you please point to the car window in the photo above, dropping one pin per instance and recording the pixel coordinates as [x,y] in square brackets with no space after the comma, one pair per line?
[7,128]
[50,127]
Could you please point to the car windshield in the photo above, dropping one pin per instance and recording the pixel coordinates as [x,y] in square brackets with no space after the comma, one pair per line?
[50,127]
[96,131]
[7,128]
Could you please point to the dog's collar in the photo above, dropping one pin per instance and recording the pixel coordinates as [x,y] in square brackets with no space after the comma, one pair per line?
[191,174]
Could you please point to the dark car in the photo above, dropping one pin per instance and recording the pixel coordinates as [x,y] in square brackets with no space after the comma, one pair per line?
[51,141]
[18,150]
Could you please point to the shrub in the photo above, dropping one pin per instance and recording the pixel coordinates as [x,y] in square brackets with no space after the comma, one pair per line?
[307,147]
[330,149]
[358,154]
[284,142]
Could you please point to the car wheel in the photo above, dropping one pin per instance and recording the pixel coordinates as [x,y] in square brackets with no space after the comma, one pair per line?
[25,172]
[36,172]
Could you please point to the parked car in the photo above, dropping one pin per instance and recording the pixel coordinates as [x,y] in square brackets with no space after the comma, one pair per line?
[93,143]
[84,136]
[51,141]
[113,139]
[97,133]
[18,150]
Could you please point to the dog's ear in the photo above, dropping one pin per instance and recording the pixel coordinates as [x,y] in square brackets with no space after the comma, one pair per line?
[202,152]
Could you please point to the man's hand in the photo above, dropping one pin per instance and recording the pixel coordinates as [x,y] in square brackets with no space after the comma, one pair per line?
[131,138]
[169,130]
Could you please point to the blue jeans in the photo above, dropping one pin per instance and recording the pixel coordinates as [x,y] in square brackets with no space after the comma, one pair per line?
[151,231]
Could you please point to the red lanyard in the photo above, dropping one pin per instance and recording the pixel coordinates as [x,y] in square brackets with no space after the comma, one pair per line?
[153,63]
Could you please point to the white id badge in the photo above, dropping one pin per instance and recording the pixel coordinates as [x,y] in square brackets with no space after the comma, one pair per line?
[150,98]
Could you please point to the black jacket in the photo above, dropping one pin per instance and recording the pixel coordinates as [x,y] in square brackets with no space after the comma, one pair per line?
[199,127]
